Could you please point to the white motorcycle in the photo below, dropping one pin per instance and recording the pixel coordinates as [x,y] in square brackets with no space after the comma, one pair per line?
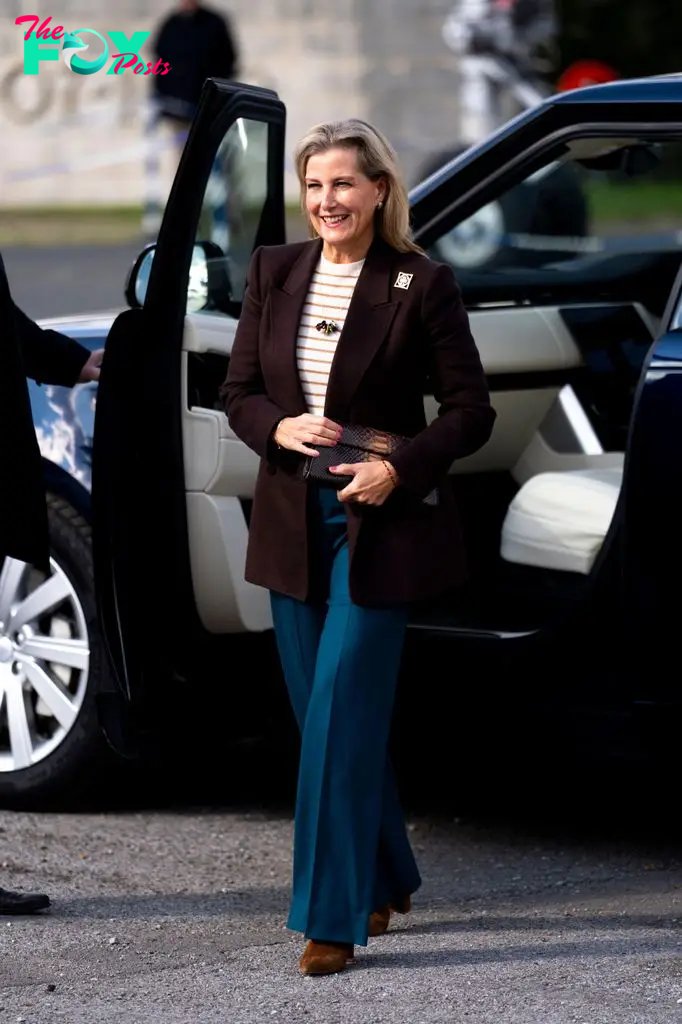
[506,55]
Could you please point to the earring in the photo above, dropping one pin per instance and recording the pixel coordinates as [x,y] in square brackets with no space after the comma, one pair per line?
[380,205]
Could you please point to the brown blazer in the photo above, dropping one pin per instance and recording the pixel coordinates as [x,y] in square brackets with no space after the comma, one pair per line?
[394,340]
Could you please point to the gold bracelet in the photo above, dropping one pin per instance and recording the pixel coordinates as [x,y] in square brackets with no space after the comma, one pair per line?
[391,472]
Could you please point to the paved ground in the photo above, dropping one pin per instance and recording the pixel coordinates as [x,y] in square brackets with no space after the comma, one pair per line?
[177,914]
[58,281]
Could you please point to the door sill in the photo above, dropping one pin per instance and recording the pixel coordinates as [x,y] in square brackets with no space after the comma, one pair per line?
[453,628]
[508,602]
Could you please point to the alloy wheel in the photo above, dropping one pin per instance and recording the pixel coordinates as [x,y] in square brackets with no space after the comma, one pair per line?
[44,662]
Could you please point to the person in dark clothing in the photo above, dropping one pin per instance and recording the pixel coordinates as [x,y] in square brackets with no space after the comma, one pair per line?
[51,358]
[198,43]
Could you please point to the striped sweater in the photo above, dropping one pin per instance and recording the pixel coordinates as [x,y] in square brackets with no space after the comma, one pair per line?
[331,290]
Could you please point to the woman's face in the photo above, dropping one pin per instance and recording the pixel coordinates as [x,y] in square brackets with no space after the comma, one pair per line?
[341,200]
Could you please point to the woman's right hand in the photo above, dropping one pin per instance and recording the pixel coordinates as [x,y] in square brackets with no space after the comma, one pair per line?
[297,433]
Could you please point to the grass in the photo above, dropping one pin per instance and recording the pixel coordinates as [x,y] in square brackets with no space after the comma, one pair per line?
[74,225]
[90,225]
[635,203]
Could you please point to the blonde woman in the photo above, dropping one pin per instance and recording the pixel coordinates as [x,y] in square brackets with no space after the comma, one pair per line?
[337,337]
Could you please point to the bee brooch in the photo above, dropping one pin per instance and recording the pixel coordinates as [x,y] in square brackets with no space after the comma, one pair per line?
[326,326]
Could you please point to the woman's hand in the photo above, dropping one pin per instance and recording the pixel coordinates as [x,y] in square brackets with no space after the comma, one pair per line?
[297,433]
[371,484]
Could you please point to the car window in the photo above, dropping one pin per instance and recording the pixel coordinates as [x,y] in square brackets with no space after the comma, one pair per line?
[602,200]
[231,210]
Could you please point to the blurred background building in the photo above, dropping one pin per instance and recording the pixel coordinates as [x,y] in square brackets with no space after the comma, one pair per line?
[71,138]
[434,74]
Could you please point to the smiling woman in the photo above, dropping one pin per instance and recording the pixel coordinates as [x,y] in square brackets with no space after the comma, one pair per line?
[350,188]
[341,203]
[335,341]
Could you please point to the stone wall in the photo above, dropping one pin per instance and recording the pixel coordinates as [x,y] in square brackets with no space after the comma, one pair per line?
[72,139]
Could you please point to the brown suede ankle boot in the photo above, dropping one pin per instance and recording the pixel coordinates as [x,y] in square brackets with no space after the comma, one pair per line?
[380,919]
[325,957]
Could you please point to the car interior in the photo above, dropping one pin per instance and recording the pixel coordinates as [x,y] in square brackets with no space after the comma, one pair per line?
[563,325]
[541,498]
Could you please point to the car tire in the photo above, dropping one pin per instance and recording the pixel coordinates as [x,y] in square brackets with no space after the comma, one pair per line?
[70,760]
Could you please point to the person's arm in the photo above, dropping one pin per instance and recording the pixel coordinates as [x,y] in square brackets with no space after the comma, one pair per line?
[225,54]
[159,41]
[252,415]
[465,415]
[48,356]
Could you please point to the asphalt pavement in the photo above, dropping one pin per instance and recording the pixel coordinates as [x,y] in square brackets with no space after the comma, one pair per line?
[63,280]
[178,914]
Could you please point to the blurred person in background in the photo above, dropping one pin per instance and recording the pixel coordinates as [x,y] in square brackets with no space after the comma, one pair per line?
[49,358]
[198,43]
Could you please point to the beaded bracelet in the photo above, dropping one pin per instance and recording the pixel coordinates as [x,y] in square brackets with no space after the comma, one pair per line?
[391,472]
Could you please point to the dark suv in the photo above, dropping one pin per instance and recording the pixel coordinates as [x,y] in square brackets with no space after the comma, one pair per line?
[570,511]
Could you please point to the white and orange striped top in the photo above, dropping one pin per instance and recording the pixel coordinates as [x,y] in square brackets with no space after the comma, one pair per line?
[329,295]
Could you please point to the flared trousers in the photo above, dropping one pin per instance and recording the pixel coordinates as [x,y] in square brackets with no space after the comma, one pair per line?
[340,662]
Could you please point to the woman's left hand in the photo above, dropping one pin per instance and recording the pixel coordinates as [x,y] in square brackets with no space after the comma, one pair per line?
[371,484]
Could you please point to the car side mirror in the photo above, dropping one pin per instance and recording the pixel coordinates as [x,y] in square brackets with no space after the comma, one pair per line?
[197,287]
[138,277]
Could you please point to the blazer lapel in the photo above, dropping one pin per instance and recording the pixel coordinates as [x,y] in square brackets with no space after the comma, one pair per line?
[368,321]
[286,305]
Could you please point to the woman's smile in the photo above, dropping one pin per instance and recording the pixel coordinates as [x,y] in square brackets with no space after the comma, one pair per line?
[334,220]
[341,203]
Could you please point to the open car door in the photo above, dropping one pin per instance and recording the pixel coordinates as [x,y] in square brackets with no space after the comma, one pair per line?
[652,507]
[227,199]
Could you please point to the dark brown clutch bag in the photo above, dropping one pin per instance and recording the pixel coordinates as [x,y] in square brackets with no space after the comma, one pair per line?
[357,444]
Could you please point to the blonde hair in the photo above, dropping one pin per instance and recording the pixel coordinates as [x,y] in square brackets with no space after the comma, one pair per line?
[376,160]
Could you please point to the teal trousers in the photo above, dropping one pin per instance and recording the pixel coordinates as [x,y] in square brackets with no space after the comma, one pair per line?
[340,662]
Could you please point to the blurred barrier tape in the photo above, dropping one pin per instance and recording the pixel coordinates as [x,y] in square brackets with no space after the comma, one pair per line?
[147,152]
[121,156]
